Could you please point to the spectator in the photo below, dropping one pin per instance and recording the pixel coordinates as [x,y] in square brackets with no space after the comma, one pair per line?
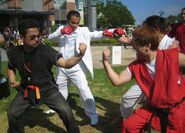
[178,31]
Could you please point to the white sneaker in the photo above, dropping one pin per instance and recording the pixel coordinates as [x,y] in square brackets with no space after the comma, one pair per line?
[94,121]
[49,111]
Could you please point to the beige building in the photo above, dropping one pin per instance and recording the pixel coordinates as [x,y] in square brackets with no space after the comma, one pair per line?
[45,12]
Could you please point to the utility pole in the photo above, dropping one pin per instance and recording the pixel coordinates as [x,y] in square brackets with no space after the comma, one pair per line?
[90,15]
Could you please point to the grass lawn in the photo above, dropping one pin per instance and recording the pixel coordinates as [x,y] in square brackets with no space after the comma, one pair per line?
[107,102]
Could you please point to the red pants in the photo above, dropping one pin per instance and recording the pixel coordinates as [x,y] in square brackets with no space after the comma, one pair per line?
[137,122]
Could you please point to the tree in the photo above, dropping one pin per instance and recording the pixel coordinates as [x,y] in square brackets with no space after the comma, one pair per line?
[171,19]
[114,14]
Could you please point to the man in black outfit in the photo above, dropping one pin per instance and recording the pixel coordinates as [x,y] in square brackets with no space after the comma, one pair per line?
[34,62]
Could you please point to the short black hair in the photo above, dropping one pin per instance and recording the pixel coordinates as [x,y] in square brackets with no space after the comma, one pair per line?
[26,24]
[156,22]
[182,9]
[72,13]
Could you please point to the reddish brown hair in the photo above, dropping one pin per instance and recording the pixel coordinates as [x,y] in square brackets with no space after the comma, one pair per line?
[146,35]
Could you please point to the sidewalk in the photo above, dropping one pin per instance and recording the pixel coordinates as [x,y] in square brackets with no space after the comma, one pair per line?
[128,55]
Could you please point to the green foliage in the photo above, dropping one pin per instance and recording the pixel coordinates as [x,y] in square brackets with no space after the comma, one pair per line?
[53,28]
[105,42]
[171,19]
[96,42]
[51,43]
[115,14]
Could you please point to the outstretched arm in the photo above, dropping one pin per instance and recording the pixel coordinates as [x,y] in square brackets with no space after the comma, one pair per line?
[74,60]
[116,79]
[56,34]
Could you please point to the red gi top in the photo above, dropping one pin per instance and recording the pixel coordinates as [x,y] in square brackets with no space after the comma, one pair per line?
[165,92]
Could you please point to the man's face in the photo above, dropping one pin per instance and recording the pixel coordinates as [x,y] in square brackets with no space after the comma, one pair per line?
[141,51]
[32,37]
[183,15]
[74,22]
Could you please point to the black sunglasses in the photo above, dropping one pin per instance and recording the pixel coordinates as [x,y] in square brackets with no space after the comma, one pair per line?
[75,23]
[32,37]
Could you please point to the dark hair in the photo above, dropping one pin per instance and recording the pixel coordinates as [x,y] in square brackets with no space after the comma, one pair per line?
[72,13]
[182,9]
[156,22]
[146,35]
[26,24]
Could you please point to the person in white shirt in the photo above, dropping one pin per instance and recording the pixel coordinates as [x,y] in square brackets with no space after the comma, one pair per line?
[69,37]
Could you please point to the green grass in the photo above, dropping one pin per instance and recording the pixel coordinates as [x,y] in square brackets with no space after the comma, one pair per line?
[107,102]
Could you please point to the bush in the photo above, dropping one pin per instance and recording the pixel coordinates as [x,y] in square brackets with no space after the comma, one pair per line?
[97,42]
[105,42]
[51,43]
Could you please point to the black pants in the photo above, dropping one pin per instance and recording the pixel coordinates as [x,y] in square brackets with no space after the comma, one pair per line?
[55,101]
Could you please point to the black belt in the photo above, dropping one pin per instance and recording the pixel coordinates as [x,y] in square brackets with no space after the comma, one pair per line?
[163,113]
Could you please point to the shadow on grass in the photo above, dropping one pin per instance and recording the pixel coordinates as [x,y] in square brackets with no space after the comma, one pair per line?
[107,109]
[110,108]
[35,117]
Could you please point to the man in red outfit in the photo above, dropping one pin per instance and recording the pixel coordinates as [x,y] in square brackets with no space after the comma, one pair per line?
[178,31]
[164,90]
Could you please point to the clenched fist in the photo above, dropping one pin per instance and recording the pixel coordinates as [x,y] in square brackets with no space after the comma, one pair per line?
[119,32]
[108,33]
[106,55]
[14,84]
[67,30]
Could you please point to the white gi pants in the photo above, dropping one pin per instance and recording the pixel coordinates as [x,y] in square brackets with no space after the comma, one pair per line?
[130,99]
[77,76]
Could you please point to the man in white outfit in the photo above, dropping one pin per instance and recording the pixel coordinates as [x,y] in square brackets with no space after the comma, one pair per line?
[69,38]
[134,95]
